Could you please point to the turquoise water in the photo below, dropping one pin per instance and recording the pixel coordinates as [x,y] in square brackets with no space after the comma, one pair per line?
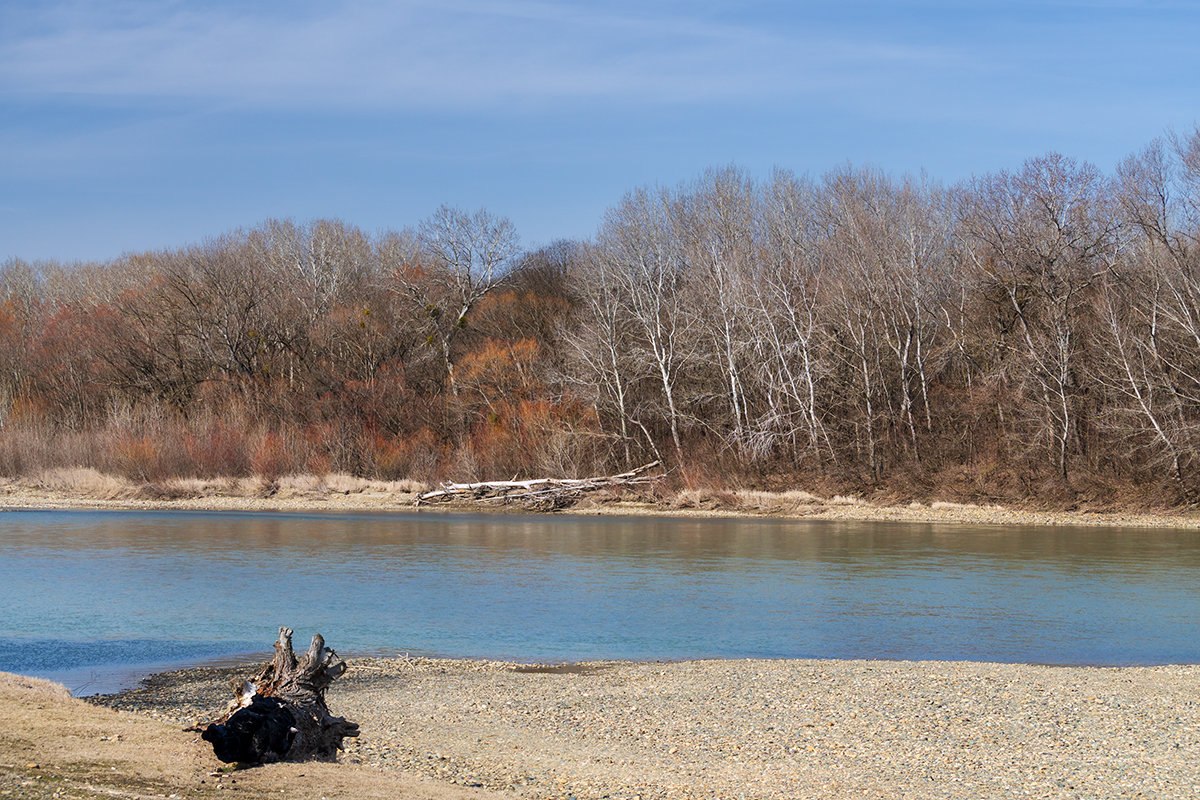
[96,598]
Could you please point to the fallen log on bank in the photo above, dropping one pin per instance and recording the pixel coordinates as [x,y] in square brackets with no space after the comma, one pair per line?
[537,492]
[280,714]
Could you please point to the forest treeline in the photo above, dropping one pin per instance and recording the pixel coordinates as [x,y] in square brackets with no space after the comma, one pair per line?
[1032,334]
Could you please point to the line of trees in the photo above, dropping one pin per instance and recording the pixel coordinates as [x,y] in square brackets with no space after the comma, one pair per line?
[1032,334]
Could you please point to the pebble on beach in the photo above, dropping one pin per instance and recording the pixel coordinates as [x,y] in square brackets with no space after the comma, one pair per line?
[757,729]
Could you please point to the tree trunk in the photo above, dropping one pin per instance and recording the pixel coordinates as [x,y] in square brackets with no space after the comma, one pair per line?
[281,714]
[546,493]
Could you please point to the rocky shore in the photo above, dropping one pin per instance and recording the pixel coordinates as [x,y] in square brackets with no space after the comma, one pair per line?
[755,729]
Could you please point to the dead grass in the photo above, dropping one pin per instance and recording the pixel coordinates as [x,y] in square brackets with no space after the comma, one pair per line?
[745,500]
[205,487]
[300,484]
[938,505]
[791,499]
[944,505]
[33,688]
[702,499]
[348,484]
[84,482]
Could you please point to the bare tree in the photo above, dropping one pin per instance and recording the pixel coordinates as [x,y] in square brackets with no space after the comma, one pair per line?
[856,249]
[640,240]
[462,256]
[1151,310]
[232,311]
[597,338]
[787,302]
[20,301]
[721,212]
[913,290]
[1045,235]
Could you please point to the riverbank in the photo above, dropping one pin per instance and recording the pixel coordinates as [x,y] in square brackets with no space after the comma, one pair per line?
[55,746]
[87,489]
[706,729]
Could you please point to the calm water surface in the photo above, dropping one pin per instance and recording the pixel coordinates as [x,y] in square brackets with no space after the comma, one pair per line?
[94,598]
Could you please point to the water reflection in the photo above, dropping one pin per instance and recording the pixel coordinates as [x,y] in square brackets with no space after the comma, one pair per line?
[562,588]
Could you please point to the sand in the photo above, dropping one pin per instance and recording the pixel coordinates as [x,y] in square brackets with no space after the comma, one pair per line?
[743,729]
[52,745]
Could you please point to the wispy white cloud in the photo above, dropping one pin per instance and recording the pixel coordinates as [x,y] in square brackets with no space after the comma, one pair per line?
[425,53]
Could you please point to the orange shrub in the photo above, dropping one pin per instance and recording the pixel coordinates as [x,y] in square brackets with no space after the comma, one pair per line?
[272,457]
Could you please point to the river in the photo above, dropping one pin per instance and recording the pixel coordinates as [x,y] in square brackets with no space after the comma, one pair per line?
[96,599]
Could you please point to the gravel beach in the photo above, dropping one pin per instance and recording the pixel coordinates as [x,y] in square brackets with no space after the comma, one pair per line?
[755,729]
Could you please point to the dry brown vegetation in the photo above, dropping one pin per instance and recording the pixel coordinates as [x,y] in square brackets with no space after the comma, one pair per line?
[89,484]
[1028,336]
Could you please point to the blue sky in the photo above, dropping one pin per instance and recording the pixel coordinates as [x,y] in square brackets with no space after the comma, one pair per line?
[144,124]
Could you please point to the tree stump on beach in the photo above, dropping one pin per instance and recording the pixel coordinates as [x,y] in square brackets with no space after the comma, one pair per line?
[280,715]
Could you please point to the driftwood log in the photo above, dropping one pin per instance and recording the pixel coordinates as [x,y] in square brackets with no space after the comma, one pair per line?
[536,492]
[280,714]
